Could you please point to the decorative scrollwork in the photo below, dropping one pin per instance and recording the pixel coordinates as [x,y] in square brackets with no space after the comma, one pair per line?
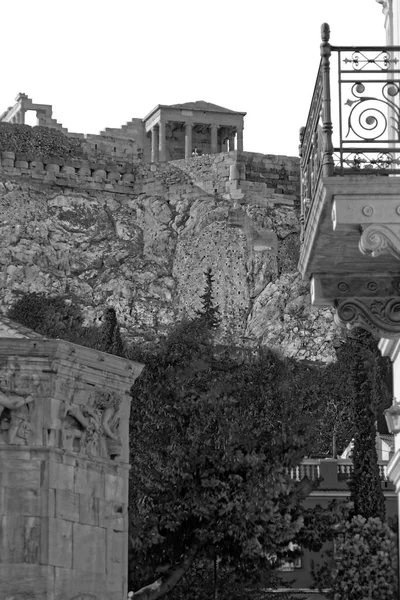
[368,118]
[380,317]
[382,61]
[367,159]
[380,239]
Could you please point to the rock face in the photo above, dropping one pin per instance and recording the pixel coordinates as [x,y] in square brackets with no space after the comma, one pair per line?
[139,239]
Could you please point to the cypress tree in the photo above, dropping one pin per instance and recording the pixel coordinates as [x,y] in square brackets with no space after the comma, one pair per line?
[110,339]
[368,392]
[209,312]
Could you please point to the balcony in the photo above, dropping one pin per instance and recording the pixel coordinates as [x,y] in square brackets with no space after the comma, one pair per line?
[350,187]
[334,474]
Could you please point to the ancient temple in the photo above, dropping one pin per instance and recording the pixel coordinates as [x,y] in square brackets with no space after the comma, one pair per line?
[184,130]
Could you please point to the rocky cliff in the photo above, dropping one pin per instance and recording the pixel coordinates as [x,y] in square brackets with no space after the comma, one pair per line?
[139,238]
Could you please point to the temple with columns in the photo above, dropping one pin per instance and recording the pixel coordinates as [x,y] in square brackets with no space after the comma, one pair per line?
[179,130]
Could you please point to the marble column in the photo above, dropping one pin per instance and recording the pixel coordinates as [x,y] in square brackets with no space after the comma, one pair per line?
[231,141]
[188,140]
[162,142]
[239,139]
[154,144]
[214,139]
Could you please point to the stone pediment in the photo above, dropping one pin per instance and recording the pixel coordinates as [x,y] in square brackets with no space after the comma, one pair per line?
[11,329]
[202,105]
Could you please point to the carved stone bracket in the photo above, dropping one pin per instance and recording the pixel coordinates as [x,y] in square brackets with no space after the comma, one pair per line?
[379,239]
[379,316]
[326,288]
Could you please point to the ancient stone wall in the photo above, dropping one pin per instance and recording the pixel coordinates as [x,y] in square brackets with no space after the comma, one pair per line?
[139,238]
[64,414]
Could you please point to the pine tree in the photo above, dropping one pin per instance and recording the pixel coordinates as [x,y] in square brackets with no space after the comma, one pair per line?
[209,312]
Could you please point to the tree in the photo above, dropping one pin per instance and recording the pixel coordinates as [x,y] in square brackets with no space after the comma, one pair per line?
[109,335]
[212,443]
[209,312]
[364,563]
[368,393]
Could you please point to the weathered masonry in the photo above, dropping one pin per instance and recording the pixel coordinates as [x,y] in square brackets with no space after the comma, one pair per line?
[64,417]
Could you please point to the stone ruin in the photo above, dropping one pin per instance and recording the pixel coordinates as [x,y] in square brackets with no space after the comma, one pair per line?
[165,133]
[64,467]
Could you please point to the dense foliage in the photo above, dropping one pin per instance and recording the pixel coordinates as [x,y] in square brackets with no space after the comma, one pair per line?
[57,317]
[363,563]
[212,442]
[38,142]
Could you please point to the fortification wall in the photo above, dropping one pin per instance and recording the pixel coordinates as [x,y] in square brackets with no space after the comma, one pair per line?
[139,238]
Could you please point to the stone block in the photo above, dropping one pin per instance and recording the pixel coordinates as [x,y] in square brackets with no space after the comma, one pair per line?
[47,502]
[26,581]
[113,176]
[36,165]
[21,164]
[89,548]
[56,542]
[112,513]
[89,481]
[89,510]
[67,170]
[52,168]
[60,477]
[22,501]
[19,539]
[80,585]
[21,476]
[67,505]
[115,487]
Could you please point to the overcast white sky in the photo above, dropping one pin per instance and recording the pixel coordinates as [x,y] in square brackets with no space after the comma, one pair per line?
[101,63]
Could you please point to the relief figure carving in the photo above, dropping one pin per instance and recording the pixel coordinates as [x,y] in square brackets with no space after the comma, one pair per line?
[93,428]
[15,413]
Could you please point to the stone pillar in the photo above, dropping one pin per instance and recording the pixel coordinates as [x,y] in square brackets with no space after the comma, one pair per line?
[214,138]
[231,142]
[64,465]
[162,145]
[154,143]
[239,139]
[188,140]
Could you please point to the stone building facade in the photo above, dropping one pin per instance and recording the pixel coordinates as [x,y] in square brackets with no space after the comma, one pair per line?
[64,463]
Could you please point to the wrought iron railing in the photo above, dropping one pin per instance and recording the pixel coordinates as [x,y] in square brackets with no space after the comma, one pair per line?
[355,129]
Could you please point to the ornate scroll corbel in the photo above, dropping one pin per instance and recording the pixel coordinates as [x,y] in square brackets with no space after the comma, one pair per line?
[379,239]
[379,316]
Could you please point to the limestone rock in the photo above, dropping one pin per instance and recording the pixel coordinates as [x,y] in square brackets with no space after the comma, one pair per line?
[144,250]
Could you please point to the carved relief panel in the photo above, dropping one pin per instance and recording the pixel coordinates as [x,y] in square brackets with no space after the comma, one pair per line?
[18,394]
[93,428]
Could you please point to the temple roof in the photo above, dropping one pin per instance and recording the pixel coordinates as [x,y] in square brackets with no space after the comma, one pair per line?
[11,329]
[199,105]
[202,105]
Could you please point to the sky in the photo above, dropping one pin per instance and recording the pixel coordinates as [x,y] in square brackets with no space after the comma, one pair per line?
[101,64]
